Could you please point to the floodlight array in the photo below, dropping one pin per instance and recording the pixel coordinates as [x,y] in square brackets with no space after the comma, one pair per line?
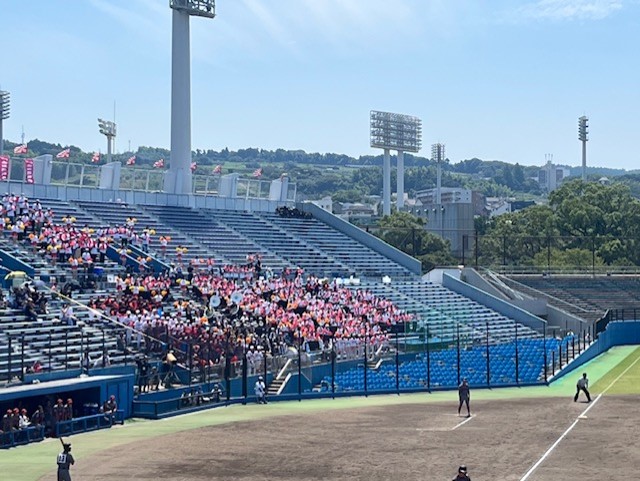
[437,153]
[395,131]
[583,128]
[5,105]
[199,8]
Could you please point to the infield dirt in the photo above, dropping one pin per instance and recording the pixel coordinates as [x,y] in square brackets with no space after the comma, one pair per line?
[406,442]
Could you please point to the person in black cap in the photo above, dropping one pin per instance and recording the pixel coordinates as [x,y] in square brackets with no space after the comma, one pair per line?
[462,474]
[65,460]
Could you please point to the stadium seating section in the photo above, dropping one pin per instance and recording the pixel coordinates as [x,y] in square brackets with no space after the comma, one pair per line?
[284,244]
[583,296]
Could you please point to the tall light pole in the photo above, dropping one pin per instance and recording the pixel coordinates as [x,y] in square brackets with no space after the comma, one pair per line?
[399,132]
[583,136]
[437,156]
[108,129]
[178,179]
[5,106]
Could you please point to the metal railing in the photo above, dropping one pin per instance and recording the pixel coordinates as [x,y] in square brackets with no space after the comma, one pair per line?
[73,174]
[402,362]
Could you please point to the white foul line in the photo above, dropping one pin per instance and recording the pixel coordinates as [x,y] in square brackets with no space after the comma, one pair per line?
[553,446]
[462,423]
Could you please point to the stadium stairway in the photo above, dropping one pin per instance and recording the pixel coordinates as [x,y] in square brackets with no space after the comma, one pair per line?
[20,251]
[444,310]
[62,209]
[465,311]
[220,238]
[117,214]
[278,240]
[364,261]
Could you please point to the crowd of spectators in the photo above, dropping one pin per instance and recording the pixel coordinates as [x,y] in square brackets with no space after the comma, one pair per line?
[294,212]
[29,299]
[209,316]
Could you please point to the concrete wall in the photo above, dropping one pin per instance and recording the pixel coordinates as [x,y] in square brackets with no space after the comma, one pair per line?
[67,193]
[498,305]
[617,333]
[363,237]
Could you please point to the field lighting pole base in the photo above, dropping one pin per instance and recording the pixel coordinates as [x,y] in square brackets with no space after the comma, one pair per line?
[400,180]
[178,179]
[386,183]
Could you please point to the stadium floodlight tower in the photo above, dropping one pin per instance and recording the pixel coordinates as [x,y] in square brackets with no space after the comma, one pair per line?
[5,106]
[178,179]
[583,136]
[108,129]
[399,132]
[437,156]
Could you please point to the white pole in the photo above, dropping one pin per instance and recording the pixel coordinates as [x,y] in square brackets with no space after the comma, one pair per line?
[400,180]
[439,183]
[386,184]
[180,177]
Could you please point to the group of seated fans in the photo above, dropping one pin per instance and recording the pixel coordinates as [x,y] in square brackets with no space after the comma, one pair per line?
[207,313]
[294,212]
[208,316]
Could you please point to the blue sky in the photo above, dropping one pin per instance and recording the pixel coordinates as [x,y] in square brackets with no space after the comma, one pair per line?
[494,79]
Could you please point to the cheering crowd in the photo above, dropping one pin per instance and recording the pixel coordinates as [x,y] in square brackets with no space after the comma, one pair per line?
[217,314]
[207,313]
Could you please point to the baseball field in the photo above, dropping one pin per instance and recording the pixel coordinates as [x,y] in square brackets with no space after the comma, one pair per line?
[514,434]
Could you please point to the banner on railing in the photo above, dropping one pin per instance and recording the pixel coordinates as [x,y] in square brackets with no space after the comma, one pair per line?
[28,171]
[4,167]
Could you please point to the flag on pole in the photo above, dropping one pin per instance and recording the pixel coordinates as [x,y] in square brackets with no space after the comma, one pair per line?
[217,169]
[131,160]
[194,166]
[28,171]
[21,149]
[4,167]
[63,154]
[257,172]
[159,164]
[95,158]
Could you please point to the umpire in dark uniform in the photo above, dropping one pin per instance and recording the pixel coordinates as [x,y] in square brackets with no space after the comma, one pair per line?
[462,474]
[464,395]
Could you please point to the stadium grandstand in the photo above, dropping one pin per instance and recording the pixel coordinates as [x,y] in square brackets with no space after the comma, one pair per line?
[172,300]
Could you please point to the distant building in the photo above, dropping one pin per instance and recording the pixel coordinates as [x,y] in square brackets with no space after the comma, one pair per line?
[449,195]
[453,218]
[354,211]
[325,203]
[551,176]
[498,206]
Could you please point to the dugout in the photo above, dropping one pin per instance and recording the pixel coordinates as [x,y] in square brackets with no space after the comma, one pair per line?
[87,393]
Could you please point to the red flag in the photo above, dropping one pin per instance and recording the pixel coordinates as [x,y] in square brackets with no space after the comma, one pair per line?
[63,154]
[217,169]
[159,164]
[28,171]
[4,167]
[21,149]
[194,166]
[131,160]
[95,158]
[257,172]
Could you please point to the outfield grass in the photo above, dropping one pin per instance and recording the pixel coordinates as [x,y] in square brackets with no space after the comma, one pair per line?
[29,463]
[625,376]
